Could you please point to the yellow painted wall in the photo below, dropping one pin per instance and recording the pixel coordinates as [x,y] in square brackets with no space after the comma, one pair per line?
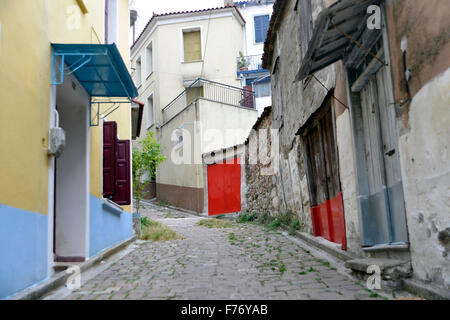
[28,27]
[24,104]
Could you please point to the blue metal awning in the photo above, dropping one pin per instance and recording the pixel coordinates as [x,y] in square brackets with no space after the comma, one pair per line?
[98,67]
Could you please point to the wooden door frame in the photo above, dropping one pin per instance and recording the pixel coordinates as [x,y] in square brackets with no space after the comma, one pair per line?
[355,109]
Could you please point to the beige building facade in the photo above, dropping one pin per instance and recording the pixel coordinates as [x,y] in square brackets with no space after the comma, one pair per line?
[185,70]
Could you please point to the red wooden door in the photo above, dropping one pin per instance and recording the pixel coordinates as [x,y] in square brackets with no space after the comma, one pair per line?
[224,187]
[123,182]
[323,175]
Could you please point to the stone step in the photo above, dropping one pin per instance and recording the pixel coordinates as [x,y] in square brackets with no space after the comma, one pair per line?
[392,270]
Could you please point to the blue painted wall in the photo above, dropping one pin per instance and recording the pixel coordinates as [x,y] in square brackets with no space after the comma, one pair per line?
[106,227]
[23,249]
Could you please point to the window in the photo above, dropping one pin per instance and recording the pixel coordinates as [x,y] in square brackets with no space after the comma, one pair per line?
[192,45]
[261,27]
[149,59]
[116,166]
[138,72]
[111,21]
[150,111]
[262,89]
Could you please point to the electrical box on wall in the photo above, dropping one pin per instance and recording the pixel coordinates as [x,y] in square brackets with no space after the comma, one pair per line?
[57,141]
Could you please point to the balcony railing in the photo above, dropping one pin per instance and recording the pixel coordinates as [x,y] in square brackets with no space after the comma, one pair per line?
[249,63]
[212,91]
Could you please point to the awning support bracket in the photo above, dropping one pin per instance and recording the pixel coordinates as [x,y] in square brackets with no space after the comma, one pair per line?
[95,116]
[59,70]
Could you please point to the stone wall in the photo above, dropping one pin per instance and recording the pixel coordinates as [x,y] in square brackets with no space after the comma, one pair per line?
[261,189]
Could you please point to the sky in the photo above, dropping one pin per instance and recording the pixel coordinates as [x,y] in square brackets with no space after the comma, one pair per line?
[146,8]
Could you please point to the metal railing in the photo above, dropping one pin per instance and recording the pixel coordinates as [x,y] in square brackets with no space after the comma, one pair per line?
[212,91]
[249,63]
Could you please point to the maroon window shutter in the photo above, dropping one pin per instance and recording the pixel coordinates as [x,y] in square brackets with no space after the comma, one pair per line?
[109,163]
[248,97]
[123,181]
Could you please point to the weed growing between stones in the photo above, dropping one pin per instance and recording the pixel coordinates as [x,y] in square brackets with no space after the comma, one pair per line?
[272,222]
[215,223]
[156,231]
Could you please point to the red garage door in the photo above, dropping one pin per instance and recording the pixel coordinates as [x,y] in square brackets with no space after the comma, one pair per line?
[224,187]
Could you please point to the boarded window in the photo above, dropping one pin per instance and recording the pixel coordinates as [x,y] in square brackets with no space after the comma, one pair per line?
[261,26]
[116,166]
[192,46]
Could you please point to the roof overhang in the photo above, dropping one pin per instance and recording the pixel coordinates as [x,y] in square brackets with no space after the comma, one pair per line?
[182,17]
[330,41]
[99,68]
[137,111]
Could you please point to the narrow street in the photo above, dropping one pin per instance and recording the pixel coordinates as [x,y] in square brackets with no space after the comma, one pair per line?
[244,262]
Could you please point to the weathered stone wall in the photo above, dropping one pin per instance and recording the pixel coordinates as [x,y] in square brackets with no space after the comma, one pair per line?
[296,101]
[261,189]
[422,125]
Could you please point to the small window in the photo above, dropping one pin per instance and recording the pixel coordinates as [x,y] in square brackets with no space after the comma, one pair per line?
[149,59]
[192,45]
[150,111]
[138,72]
[261,27]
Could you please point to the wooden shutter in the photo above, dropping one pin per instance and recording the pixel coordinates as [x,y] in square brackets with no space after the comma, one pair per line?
[306,25]
[109,150]
[261,26]
[248,97]
[123,180]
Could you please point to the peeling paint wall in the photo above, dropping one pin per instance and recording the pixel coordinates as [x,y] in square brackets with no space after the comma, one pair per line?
[425,160]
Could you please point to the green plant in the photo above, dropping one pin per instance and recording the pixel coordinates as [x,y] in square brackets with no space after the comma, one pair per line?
[247,217]
[294,226]
[242,63]
[274,225]
[145,221]
[146,158]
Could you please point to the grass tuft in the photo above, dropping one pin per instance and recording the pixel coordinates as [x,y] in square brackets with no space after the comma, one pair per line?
[156,231]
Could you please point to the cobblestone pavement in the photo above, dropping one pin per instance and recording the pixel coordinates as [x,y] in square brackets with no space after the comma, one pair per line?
[243,262]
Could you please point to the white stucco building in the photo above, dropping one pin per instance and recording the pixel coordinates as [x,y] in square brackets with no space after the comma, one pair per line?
[257,15]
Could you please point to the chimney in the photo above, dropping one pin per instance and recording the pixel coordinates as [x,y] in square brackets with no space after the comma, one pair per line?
[228,3]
